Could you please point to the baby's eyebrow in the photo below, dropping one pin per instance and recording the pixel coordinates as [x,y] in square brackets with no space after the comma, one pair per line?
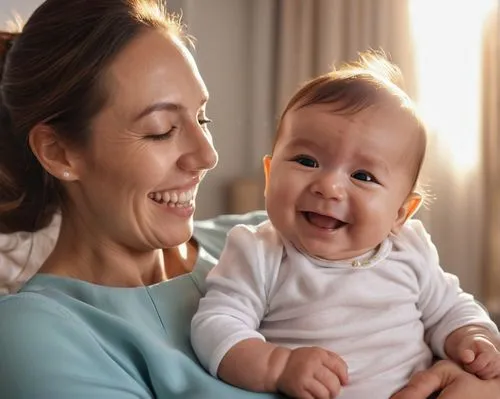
[302,142]
[373,161]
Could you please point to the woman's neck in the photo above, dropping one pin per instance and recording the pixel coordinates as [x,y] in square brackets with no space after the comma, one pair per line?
[88,258]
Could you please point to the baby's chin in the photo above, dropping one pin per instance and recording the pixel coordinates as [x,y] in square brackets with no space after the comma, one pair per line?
[323,251]
[317,251]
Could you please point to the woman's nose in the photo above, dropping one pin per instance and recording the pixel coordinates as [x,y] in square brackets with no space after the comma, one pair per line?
[330,186]
[200,154]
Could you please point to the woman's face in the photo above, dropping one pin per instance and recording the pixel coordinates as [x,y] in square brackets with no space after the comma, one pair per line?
[150,147]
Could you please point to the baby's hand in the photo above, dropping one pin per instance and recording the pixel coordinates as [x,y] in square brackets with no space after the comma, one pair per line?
[313,373]
[479,356]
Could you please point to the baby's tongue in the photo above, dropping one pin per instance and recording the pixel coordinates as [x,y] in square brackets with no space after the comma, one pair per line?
[325,222]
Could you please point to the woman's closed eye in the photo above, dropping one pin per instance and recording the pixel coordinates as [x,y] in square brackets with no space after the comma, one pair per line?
[365,176]
[164,136]
[306,160]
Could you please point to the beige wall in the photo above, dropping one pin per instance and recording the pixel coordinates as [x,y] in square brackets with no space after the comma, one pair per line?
[23,7]
[221,29]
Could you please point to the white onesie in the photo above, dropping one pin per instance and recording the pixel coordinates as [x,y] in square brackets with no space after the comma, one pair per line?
[385,320]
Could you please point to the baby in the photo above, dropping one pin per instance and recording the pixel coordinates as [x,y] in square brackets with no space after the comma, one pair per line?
[340,293]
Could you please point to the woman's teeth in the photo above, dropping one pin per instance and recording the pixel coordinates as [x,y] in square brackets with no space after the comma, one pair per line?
[174,198]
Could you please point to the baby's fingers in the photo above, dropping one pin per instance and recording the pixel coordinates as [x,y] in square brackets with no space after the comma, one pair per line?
[479,363]
[329,380]
[315,389]
[488,374]
[491,369]
[467,356]
[338,366]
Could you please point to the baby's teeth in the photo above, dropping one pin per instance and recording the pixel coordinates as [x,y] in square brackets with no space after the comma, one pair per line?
[166,197]
[174,197]
[158,196]
[182,197]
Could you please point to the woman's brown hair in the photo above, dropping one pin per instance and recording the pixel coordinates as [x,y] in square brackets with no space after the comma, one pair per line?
[52,73]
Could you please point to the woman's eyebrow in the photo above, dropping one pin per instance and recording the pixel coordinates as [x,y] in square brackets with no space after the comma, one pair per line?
[160,106]
[164,106]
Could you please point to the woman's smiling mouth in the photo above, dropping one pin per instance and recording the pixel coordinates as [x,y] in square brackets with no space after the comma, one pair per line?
[181,199]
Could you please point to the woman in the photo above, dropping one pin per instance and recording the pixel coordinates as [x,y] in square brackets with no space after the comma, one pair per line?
[103,116]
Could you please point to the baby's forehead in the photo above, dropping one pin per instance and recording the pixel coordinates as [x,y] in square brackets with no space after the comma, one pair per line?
[392,133]
[391,120]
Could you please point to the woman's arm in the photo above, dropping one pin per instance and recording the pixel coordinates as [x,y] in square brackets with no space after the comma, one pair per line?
[454,382]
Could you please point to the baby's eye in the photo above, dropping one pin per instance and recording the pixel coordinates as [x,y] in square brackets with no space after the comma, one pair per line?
[306,161]
[364,176]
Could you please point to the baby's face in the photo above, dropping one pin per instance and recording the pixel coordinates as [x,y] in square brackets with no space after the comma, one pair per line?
[338,183]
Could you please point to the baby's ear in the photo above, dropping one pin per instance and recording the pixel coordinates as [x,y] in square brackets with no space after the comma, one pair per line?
[266,161]
[407,210]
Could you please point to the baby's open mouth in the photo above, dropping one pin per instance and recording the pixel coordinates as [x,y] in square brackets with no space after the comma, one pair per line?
[323,221]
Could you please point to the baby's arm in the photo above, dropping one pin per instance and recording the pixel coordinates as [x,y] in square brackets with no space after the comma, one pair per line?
[477,349]
[224,331]
[308,372]
[456,325]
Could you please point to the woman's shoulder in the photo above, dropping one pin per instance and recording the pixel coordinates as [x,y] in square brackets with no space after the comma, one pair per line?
[24,309]
[211,234]
[224,223]
[40,338]
[50,349]
[33,318]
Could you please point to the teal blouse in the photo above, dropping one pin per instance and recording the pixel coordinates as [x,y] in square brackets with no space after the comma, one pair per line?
[65,338]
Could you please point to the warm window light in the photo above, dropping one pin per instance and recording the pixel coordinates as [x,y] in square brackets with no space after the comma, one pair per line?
[448,35]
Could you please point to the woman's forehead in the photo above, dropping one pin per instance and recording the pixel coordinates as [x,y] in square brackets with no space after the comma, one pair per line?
[152,68]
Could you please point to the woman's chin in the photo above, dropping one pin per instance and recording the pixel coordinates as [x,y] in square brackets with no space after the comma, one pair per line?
[178,235]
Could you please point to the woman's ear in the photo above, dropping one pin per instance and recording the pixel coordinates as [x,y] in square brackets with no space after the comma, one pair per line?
[52,153]
[266,161]
[407,210]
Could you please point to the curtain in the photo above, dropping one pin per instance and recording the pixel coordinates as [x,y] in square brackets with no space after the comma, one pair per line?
[491,163]
[315,35]
[457,93]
